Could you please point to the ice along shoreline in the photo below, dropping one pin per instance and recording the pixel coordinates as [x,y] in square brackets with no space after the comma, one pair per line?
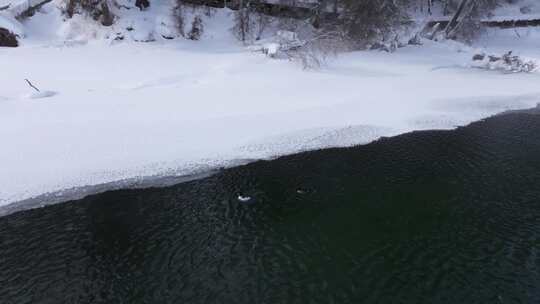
[77,193]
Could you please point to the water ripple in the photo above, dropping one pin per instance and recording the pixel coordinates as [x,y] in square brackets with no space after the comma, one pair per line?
[425,217]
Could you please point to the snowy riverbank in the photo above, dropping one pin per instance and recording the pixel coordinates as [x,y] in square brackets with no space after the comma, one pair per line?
[123,110]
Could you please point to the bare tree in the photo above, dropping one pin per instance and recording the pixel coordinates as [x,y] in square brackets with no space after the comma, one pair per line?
[178,16]
[454,21]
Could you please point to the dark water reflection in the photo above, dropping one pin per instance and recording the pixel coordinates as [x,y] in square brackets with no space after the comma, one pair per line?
[428,217]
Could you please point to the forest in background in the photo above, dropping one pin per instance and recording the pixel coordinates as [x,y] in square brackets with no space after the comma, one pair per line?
[361,23]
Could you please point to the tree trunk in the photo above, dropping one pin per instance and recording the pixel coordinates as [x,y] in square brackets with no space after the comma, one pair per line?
[108,18]
[457,14]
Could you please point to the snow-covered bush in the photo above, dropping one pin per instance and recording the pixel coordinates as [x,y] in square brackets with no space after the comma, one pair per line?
[197,29]
[506,63]
[283,42]
[276,46]
[367,21]
[319,48]
[311,52]
[97,9]
[7,38]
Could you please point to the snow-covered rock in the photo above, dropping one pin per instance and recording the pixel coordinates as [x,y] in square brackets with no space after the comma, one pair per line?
[275,46]
[271,49]
[507,63]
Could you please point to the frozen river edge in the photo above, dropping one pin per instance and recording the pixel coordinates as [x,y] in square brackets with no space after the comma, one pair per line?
[149,182]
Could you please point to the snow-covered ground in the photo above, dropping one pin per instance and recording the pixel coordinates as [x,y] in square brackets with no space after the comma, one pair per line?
[520,9]
[119,110]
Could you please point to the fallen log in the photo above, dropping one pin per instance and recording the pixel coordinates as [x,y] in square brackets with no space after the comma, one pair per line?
[494,23]
[30,10]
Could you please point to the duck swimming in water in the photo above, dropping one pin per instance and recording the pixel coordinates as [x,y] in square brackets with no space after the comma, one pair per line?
[244,199]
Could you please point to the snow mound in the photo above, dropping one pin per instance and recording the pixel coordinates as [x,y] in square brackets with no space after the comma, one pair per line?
[40,95]
[11,24]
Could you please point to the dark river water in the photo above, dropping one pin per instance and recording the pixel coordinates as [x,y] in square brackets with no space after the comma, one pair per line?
[425,217]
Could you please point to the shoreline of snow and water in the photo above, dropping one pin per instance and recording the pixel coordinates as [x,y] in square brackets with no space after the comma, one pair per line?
[115,112]
[81,192]
[147,182]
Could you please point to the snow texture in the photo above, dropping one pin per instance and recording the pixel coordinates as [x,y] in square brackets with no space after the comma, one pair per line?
[39,95]
[127,110]
[11,24]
